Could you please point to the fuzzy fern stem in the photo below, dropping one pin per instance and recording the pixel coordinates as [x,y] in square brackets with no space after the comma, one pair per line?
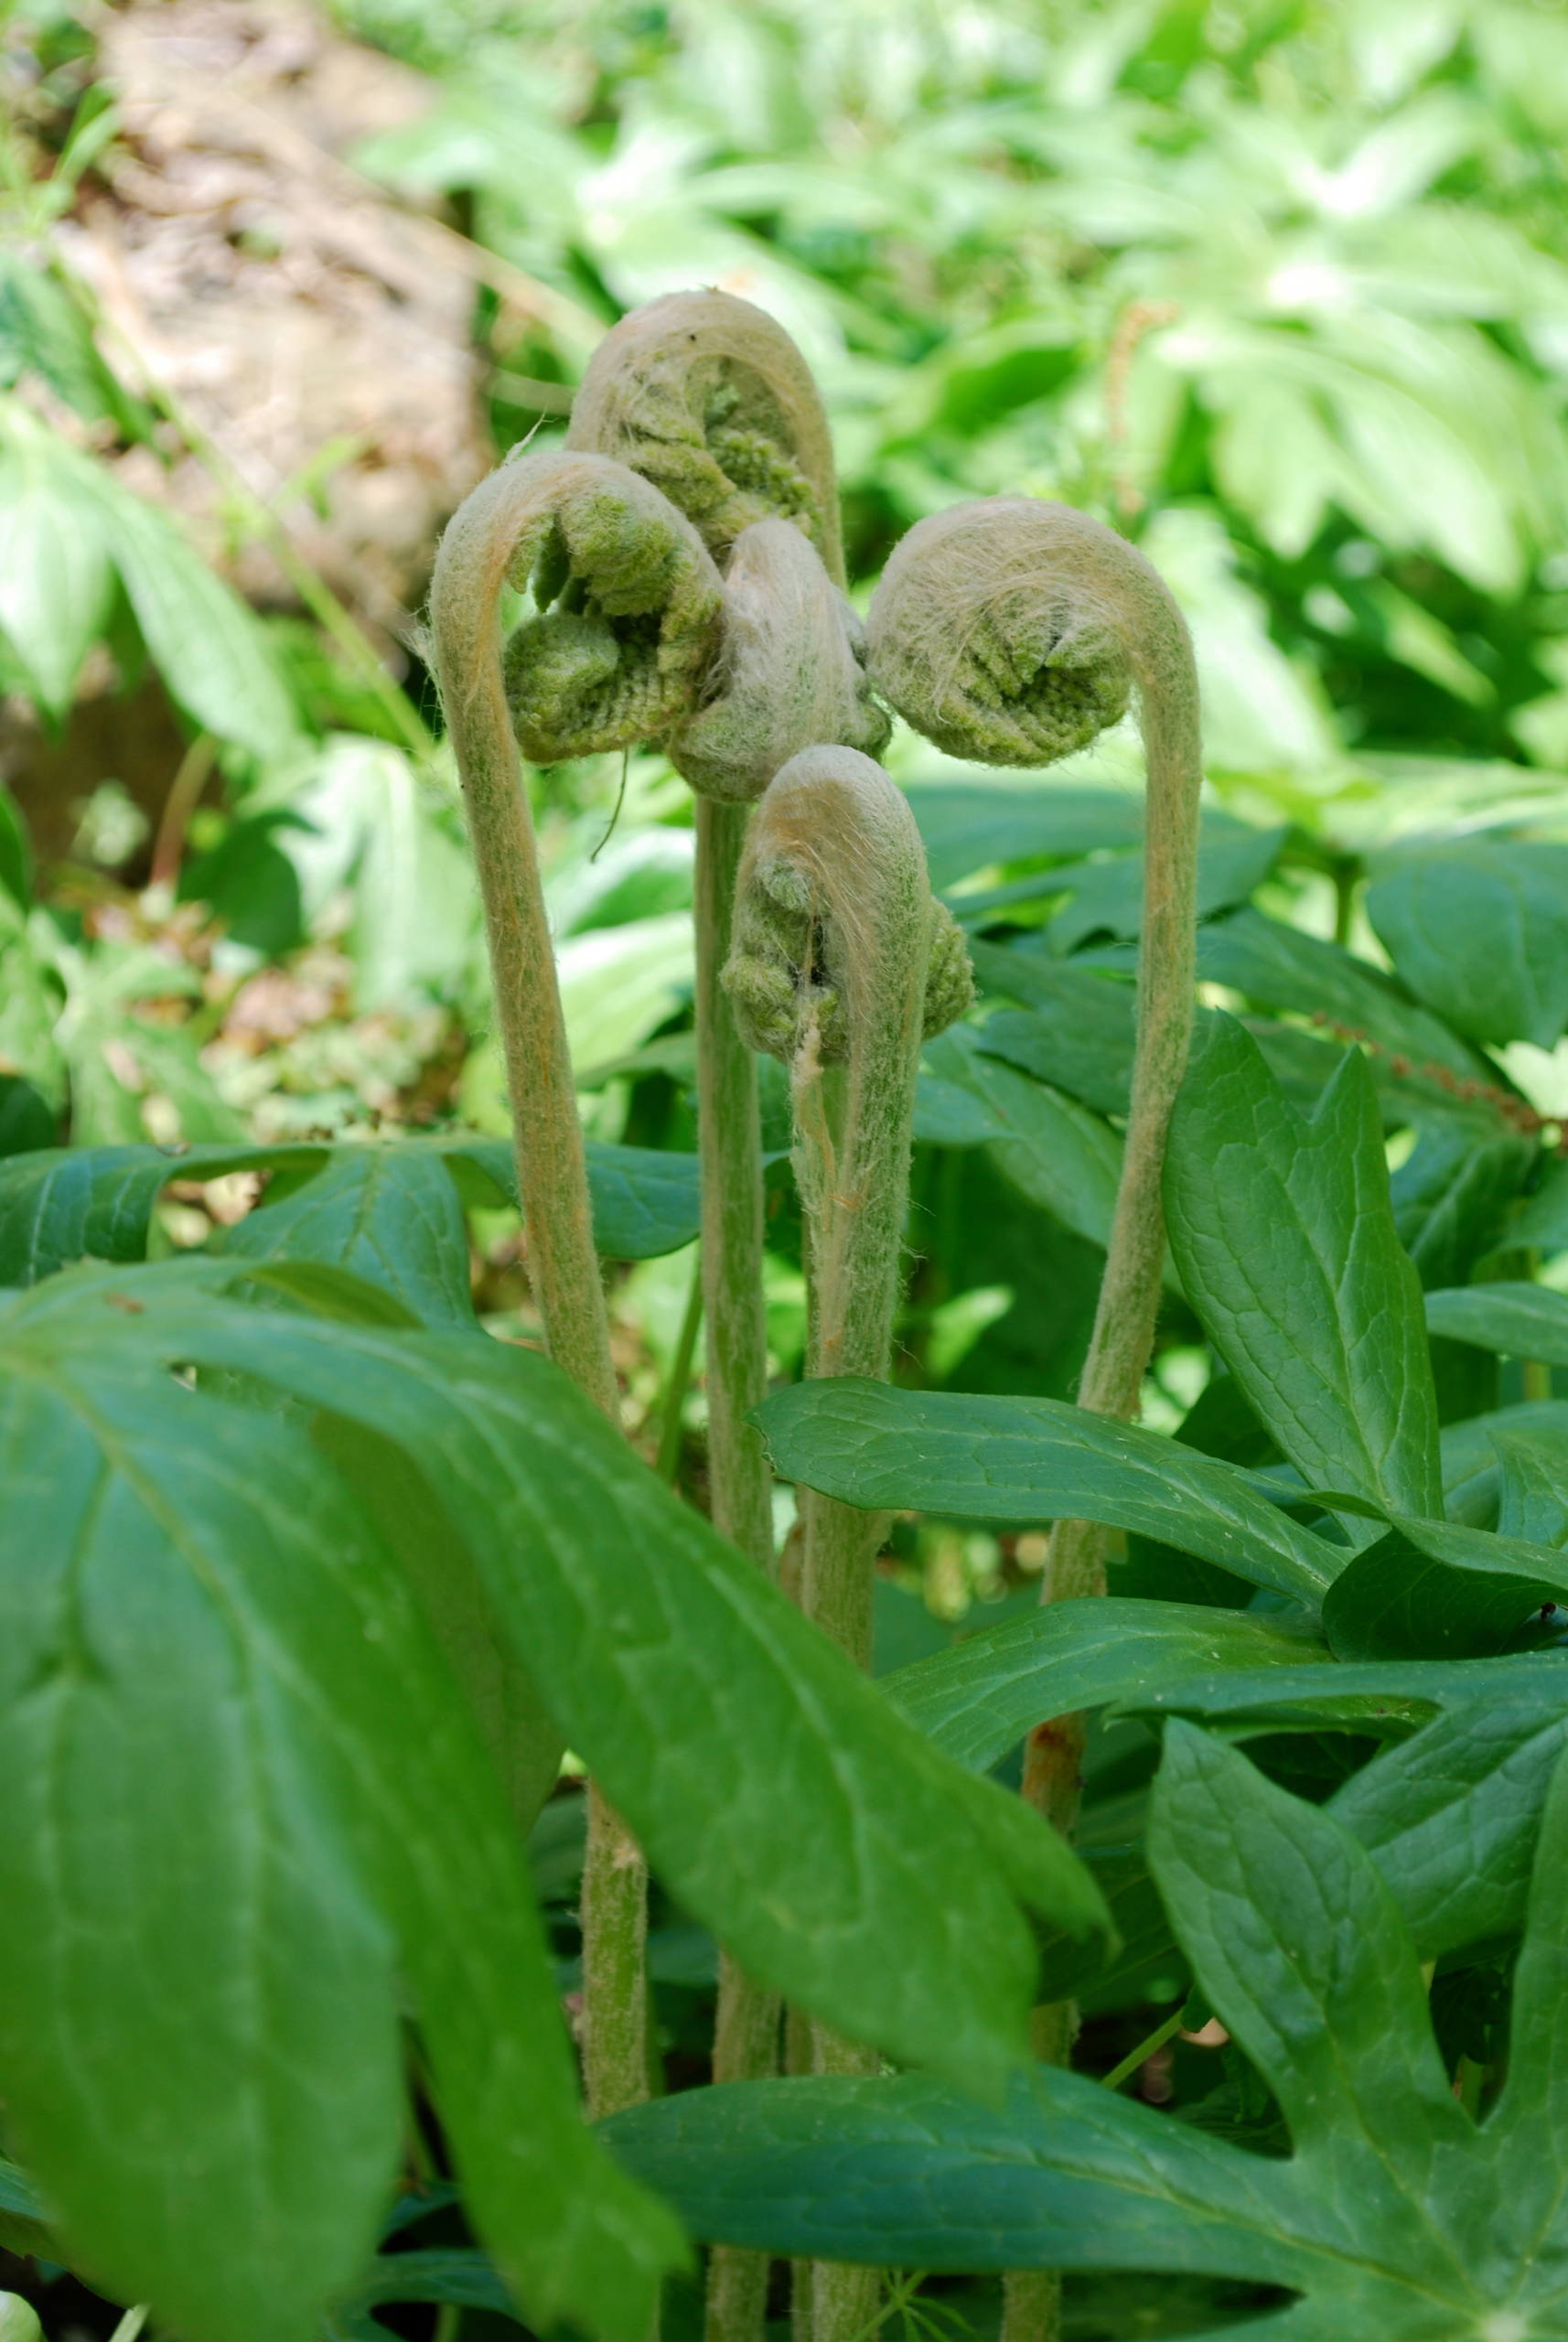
[843,964]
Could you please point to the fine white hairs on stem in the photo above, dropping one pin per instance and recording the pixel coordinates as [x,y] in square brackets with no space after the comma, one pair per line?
[627,603]
[790,674]
[709,398]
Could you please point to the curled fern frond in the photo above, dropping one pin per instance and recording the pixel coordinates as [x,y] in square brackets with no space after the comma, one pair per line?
[709,399]
[628,604]
[1013,630]
[1010,630]
[834,912]
[790,674]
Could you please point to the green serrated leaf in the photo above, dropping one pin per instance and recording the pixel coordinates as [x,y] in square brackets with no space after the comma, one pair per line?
[1283,1233]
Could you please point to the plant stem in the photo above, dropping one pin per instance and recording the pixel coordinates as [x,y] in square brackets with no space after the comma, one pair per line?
[963,578]
[1143,2052]
[729,1141]
[680,1377]
[615,1963]
[184,796]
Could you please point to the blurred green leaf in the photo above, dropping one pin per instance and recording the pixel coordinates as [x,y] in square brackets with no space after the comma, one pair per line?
[1478,930]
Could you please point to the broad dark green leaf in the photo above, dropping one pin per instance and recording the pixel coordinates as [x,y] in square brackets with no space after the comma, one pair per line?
[978,1700]
[645,1201]
[1020,1461]
[968,824]
[1437,1590]
[453,2275]
[1532,1486]
[779,1796]
[1516,1319]
[388,1214]
[1052,1150]
[1451,1815]
[1396,2215]
[1283,1233]
[1479,931]
[1298,1943]
[1451,1196]
[1108,895]
[523,1745]
[900,2171]
[60,1204]
[1076,1032]
[1471,1478]
[248,1807]
[1281,967]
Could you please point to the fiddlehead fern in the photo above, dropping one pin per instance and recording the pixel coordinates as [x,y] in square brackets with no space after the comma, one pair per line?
[1013,631]
[843,964]
[709,398]
[789,674]
[629,609]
